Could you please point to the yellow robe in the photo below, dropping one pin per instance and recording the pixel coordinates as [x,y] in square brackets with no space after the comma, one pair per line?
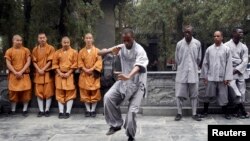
[65,61]
[88,83]
[19,89]
[44,84]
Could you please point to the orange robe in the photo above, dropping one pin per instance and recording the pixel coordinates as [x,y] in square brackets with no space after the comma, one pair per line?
[88,83]
[65,61]
[44,84]
[19,89]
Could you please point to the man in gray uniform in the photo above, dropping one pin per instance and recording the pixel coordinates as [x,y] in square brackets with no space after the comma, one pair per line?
[131,85]
[187,58]
[239,53]
[217,71]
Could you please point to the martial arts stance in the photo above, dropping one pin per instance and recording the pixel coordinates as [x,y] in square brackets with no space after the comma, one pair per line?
[65,62]
[19,84]
[130,86]
[187,58]
[42,56]
[239,53]
[217,71]
[90,64]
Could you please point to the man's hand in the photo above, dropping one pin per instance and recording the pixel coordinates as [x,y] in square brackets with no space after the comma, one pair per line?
[226,82]
[205,81]
[41,71]
[88,71]
[66,75]
[19,75]
[236,71]
[61,74]
[116,49]
[123,77]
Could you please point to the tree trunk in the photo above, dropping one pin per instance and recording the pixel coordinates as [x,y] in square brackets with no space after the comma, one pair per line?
[27,11]
[62,27]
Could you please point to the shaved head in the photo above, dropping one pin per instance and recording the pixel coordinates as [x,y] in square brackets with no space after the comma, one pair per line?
[65,42]
[17,41]
[218,37]
[88,39]
[17,37]
[65,38]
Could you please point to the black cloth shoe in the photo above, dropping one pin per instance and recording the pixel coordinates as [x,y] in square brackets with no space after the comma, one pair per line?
[196,117]
[61,116]
[236,115]
[112,130]
[93,114]
[67,115]
[87,114]
[244,116]
[12,113]
[131,138]
[227,116]
[178,117]
[40,114]
[25,113]
[203,115]
[47,114]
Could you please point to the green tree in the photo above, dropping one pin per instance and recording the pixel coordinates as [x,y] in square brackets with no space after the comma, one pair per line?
[165,18]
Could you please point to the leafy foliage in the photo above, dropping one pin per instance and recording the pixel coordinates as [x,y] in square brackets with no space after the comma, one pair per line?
[165,18]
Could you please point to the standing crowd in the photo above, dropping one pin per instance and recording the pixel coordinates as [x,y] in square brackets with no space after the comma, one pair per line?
[224,66]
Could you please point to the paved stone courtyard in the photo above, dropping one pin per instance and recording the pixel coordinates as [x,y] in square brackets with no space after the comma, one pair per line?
[79,128]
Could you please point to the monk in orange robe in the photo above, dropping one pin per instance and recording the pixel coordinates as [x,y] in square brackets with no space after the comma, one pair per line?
[19,84]
[42,56]
[65,62]
[90,65]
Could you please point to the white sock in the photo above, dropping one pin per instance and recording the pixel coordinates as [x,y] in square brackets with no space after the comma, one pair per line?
[25,106]
[61,107]
[93,107]
[40,104]
[13,106]
[48,103]
[87,105]
[69,106]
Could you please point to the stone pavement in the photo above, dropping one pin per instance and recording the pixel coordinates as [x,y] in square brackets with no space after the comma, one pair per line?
[79,128]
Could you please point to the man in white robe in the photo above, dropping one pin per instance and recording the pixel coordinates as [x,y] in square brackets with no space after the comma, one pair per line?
[217,71]
[187,58]
[131,85]
[239,53]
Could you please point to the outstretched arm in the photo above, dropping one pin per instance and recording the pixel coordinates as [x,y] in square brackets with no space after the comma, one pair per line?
[115,50]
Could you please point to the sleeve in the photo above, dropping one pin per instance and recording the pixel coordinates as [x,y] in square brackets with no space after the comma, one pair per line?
[74,62]
[8,55]
[55,61]
[33,55]
[51,53]
[79,60]
[28,54]
[98,63]
[229,66]
[176,54]
[205,65]
[243,65]
[199,54]
[141,60]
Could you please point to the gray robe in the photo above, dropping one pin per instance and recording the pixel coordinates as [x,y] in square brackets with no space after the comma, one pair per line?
[239,58]
[136,56]
[188,58]
[216,68]
[217,64]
